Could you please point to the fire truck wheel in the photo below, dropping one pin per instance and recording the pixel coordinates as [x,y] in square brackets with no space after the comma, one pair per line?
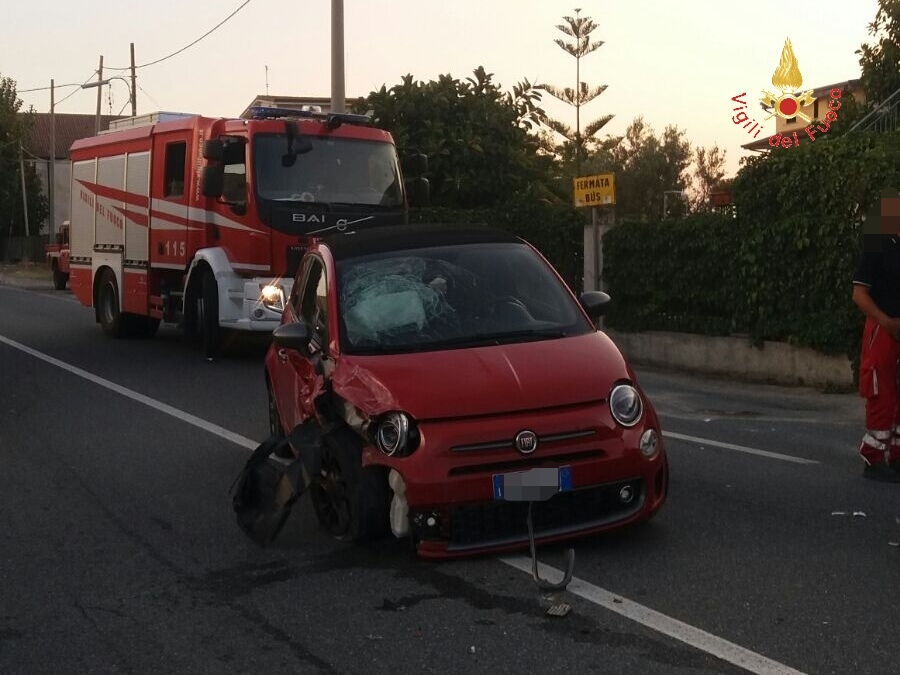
[111,319]
[208,316]
[59,279]
[351,501]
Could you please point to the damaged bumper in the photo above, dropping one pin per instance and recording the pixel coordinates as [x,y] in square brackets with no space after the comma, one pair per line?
[450,502]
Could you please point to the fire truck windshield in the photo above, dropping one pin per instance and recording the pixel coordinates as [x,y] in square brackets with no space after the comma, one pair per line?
[335,171]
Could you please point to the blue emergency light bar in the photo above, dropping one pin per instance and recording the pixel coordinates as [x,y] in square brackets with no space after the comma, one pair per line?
[332,119]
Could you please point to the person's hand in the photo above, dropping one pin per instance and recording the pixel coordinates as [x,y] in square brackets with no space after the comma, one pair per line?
[893,327]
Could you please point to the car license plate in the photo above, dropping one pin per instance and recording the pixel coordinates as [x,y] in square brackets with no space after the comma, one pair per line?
[534,485]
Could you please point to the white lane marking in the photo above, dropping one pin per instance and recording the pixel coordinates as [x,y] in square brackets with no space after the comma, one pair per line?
[694,637]
[738,448]
[222,432]
[661,623]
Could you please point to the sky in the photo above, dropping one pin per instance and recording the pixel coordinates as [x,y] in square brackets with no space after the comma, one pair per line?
[674,63]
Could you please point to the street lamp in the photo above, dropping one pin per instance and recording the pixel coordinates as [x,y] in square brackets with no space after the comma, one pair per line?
[100,83]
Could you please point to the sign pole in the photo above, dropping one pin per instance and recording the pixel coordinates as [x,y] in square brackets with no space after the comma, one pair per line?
[597,247]
[595,191]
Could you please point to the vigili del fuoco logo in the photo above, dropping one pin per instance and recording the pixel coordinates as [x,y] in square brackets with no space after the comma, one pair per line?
[788,104]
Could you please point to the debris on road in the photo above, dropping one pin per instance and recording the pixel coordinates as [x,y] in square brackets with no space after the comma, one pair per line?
[559,610]
[472,649]
[859,514]
[894,543]
[839,513]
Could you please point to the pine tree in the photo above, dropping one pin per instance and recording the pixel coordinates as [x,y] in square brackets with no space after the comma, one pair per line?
[579,29]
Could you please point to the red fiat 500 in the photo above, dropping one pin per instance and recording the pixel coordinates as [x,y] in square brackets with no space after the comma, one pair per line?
[447,386]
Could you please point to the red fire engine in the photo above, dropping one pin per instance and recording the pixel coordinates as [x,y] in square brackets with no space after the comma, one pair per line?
[201,222]
[58,257]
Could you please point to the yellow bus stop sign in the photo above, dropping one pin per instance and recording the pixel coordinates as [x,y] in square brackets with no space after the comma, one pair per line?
[598,190]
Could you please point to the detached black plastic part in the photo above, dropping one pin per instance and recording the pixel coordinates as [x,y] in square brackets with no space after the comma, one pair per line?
[266,488]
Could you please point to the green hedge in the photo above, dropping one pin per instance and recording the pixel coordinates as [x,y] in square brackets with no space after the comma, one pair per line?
[672,275]
[779,271]
[555,230]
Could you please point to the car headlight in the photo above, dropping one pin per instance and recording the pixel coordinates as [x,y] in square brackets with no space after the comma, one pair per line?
[396,434]
[625,405]
[272,296]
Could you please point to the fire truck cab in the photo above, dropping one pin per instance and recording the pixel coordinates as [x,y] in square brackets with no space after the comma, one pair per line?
[201,221]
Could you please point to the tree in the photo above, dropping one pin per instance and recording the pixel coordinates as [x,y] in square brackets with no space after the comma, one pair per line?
[708,174]
[647,166]
[13,127]
[575,144]
[880,61]
[476,136]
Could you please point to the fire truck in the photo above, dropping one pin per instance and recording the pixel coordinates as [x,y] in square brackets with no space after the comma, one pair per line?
[58,257]
[201,222]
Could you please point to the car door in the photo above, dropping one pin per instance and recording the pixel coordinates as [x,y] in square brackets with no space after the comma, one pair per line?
[297,381]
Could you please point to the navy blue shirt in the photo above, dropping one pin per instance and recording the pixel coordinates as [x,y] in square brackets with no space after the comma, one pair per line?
[879,270]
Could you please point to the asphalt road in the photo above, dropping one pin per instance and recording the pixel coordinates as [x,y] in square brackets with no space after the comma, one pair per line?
[119,552]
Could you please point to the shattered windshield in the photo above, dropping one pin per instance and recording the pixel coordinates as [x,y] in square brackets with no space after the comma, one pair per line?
[452,297]
[334,171]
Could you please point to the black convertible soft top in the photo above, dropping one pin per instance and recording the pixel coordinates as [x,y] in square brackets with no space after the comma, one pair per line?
[404,237]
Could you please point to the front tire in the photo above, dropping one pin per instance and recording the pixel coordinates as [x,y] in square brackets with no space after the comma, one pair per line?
[111,319]
[59,279]
[207,316]
[351,501]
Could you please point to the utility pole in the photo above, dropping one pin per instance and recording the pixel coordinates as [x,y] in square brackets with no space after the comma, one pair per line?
[99,95]
[24,192]
[51,169]
[337,56]
[133,85]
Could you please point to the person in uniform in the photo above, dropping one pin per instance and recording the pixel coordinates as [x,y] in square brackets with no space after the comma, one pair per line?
[876,291]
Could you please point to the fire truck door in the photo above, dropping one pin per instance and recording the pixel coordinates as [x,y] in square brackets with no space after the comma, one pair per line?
[169,221]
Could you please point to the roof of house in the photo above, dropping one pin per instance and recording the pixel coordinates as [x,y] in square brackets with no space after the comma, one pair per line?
[69,128]
[759,144]
[848,85]
[819,92]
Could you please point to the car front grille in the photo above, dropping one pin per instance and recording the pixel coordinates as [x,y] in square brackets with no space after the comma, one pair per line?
[498,522]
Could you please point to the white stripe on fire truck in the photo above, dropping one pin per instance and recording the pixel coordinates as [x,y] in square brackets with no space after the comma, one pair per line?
[198,216]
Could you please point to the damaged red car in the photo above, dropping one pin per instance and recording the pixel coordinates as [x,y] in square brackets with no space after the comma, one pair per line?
[442,383]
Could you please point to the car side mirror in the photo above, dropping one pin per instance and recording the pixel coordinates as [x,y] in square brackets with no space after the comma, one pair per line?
[594,303]
[295,336]
[212,182]
[213,150]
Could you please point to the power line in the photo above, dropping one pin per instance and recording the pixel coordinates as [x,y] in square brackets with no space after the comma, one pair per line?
[58,86]
[90,77]
[155,102]
[175,53]
[55,86]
